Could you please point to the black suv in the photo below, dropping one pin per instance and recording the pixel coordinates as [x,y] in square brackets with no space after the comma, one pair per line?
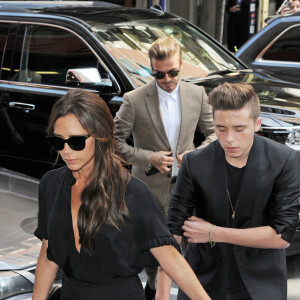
[45,50]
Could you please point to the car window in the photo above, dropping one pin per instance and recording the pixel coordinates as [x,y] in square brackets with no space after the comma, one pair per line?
[8,35]
[49,52]
[129,43]
[286,47]
[3,38]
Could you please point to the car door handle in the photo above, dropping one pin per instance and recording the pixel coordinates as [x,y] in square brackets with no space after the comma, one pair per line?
[21,105]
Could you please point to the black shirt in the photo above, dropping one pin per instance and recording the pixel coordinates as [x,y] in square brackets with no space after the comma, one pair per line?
[118,254]
[234,182]
[232,286]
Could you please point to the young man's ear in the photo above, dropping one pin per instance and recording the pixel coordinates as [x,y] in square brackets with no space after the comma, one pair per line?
[257,124]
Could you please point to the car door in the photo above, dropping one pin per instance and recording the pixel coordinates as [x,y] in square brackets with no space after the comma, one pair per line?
[8,34]
[42,55]
[282,55]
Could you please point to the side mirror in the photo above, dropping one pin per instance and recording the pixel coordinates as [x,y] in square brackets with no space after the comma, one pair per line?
[89,78]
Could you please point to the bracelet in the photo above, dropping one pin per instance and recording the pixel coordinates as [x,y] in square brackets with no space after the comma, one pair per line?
[210,236]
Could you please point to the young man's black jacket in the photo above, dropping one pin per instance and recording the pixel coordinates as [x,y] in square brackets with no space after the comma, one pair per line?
[269,196]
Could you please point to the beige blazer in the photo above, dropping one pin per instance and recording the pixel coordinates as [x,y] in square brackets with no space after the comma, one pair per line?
[140,116]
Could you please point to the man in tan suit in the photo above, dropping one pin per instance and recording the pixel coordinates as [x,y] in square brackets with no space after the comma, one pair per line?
[162,117]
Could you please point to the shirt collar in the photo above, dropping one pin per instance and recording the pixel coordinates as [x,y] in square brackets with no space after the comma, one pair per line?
[163,95]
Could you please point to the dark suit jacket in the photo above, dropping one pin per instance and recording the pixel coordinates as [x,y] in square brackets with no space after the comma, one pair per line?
[269,195]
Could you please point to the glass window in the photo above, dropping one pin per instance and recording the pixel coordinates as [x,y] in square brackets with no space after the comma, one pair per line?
[129,43]
[285,48]
[3,41]
[49,52]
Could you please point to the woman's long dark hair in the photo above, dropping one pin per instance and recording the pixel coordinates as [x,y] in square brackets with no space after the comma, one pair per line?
[103,199]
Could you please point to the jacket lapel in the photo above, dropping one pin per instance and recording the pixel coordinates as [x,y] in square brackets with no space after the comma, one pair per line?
[219,204]
[152,104]
[185,113]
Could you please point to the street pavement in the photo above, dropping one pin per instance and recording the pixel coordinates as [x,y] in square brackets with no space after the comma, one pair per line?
[293,266]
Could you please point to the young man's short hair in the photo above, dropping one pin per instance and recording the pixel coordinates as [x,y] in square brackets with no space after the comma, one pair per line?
[235,96]
[164,48]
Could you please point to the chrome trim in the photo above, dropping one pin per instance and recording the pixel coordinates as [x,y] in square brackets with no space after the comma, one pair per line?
[21,105]
[259,56]
[118,91]
[5,21]
[276,62]
[14,86]
[290,128]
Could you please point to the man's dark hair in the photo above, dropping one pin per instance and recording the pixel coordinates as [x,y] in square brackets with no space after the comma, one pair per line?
[235,96]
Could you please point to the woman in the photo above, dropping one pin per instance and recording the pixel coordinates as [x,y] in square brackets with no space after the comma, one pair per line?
[96,222]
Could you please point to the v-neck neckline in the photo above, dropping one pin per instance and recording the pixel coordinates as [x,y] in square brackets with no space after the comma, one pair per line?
[70,214]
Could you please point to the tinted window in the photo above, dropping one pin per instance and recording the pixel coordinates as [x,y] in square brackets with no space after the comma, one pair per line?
[286,48]
[3,37]
[6,44]
[129,43]
[49,52]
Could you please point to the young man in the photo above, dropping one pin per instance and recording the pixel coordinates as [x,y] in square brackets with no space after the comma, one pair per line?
[162,116]
[246,198]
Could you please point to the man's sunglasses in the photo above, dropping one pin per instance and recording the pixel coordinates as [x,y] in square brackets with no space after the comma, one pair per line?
[161,75]
[76,143]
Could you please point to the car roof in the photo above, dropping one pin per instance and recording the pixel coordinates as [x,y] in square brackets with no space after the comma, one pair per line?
[84,10]
[32,5]
[286,17]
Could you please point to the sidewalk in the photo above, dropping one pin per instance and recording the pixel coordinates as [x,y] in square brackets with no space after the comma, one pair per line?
[19,184]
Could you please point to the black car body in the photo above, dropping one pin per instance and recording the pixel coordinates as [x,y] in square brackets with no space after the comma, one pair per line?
[45,50]
[276,48]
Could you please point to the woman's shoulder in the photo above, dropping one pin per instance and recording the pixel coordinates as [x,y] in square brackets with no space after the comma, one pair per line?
[54,176]
[137,183]
[139,195]
[138,187]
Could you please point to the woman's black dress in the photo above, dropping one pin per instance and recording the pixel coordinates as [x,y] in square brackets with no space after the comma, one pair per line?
[112,270]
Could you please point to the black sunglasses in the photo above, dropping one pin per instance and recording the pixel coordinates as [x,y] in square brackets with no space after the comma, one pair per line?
[161,75]
[76,143]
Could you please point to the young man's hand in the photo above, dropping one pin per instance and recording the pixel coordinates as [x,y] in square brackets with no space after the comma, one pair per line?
[180,156]
[196,230]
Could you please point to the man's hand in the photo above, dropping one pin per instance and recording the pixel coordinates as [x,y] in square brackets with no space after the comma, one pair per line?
[162,160]
[180,156]
[196,230]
